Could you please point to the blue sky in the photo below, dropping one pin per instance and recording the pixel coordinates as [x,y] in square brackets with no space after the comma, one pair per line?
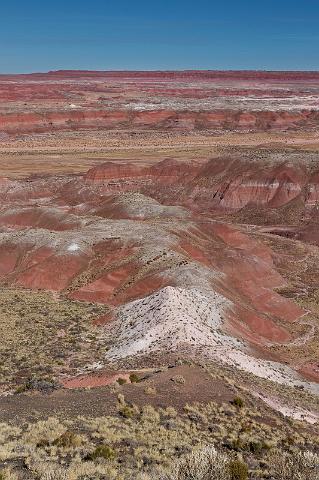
[160,34]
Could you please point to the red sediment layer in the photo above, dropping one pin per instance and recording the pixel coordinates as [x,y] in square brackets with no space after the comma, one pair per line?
[95,380]
[162,119]
[47,270]
[104,288]
[111,271]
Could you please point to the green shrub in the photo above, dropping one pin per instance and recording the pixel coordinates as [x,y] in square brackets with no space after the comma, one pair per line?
[102,451]
[20,389]
[121,381]
[134,378]
[238,402]
[238,470]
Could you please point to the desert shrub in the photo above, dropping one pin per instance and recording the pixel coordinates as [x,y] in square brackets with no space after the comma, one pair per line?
[169,412]
[256,447]
[294,466]
[20,389]
[44,432]
[149,390]
[102,451]
[121,399]
[126,411]
[149,414]
[68,440]
[55,473]
[79,470]
[196,416]
[43,385]
[121,381]
[204,464]
[237,444]
[7,474]
[238,470]
[134,378]
[238,402]
[9,435]
[92,471]
[178,379]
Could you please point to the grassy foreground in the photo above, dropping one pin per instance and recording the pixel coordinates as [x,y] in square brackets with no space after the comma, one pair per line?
[202,442]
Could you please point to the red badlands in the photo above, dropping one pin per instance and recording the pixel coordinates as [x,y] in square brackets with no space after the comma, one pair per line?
[196,223]
[172,100]
[122,232]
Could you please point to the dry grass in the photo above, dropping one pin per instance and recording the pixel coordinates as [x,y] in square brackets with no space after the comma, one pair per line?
[63,338]
[151,441]
[76,151]
[246,383]
[202,464]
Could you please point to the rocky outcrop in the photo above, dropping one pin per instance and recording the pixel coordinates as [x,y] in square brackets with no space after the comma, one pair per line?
[157,119]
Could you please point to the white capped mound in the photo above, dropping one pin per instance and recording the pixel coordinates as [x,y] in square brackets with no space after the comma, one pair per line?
[167,320]
[184,319]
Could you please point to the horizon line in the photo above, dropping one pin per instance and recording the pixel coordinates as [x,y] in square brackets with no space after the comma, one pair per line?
[187,70]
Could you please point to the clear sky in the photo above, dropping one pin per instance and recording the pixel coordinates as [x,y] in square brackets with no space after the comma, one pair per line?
[158,34]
